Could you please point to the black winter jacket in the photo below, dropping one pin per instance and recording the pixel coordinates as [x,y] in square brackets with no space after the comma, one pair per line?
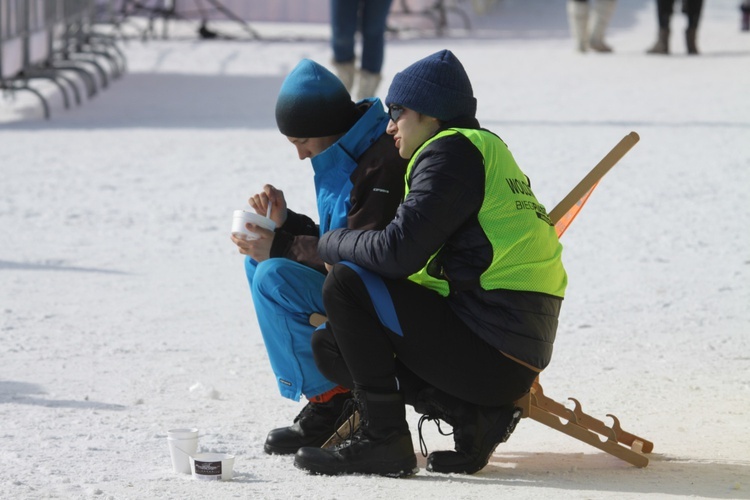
[446,189]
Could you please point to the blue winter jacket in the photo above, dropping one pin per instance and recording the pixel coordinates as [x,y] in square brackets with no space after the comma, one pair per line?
[334,166]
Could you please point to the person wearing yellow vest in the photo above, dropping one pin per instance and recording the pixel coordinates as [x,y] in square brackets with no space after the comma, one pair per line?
[453,307]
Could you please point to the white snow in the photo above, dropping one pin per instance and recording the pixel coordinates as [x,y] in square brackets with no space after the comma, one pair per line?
[124,309]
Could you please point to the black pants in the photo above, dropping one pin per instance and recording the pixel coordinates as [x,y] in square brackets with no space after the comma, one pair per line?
[386,335]
[691,8]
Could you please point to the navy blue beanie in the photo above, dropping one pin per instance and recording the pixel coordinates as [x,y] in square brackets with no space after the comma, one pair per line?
[313,102]
[436,86]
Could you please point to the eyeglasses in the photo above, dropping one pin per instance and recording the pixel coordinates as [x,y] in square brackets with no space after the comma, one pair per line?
[395,111]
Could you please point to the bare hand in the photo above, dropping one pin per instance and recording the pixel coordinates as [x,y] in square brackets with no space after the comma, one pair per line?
[273,197]
[258,249]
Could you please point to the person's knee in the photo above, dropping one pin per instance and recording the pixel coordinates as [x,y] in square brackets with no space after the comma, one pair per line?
[250,268]
[338,281]
[270,275]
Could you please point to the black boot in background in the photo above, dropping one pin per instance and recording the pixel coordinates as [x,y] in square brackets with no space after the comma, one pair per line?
[477,430]
[382,445]
[312,427]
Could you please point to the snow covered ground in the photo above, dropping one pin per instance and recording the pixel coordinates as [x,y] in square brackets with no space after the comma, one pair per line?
[124,310]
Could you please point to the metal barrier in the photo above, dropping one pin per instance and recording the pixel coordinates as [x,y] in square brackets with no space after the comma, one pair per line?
[420,16]
[436,12]
[52,40]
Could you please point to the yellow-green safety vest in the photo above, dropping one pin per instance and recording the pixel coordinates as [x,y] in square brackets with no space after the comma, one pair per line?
[526,252]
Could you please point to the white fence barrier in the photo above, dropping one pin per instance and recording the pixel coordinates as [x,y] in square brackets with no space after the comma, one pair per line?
[52,40]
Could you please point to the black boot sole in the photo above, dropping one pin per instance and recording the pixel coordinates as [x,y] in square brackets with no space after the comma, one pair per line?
[399,469]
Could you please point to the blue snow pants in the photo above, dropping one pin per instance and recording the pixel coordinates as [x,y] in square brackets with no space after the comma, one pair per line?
[285,293]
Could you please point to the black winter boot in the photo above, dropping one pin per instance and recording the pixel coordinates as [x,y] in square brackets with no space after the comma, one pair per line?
[477,430]
[312,427]
[382,445]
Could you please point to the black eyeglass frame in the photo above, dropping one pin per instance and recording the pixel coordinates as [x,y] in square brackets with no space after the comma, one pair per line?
[395,111]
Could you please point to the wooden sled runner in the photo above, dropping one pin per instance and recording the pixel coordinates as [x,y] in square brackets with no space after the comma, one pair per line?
[535,404]
[617,442]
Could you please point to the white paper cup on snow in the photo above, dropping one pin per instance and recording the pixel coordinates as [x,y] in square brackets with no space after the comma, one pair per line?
[212,466]
[242,217]
[182,444]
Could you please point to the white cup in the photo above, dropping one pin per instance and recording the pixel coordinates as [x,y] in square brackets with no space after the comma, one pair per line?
[182,444]
[242,217]
[212,466]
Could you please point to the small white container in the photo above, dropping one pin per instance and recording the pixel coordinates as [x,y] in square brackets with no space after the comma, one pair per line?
[182,444]
[212,466]
[242,217]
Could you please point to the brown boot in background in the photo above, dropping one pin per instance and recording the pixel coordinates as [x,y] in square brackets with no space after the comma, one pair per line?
[662,43]
[690,42]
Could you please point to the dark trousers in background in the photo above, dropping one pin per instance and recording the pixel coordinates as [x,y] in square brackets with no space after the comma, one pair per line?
[369,16]
[691,8]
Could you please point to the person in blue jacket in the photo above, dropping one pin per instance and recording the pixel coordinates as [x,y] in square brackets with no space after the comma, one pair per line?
[359,184]
[453,307]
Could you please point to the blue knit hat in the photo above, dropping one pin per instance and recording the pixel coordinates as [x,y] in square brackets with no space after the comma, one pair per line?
[313,102]
[436,86]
